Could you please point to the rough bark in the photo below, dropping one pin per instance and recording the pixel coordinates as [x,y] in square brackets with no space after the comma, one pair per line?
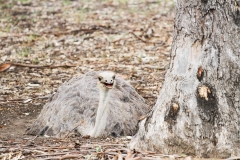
[198,108]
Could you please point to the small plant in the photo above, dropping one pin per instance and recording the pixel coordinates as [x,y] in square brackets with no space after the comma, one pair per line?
[36,61]
[98,149]
[66,2]
[31,37]
[80,18]
[88,156]
[48,45]
[25,1]
[9,5]
[81,14]
[7,29]
[24,52]
[123,2]
[9,18]
[38,13]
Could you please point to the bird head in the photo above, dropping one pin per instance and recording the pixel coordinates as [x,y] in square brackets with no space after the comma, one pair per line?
[106,80]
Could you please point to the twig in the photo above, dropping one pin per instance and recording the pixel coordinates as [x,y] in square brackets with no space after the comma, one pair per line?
[53,148]
[138,37]
[24,142]
[17,35]
[103,145]
[6,66]
[47,33]
[46,66]
[22,100]
[54,154]
[71,156]
[74,31]
[74,128]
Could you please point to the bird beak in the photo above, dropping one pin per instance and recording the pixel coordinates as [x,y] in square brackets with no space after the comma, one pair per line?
[108,85]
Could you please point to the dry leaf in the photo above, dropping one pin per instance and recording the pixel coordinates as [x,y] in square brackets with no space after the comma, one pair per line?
[4,67]
[130,156]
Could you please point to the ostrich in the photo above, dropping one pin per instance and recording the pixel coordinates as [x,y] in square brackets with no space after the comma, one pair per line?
[96,104]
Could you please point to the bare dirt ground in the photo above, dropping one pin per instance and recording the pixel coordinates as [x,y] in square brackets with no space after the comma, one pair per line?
[44,43]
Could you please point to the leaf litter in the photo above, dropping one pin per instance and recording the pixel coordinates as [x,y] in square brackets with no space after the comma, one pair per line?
[45,43]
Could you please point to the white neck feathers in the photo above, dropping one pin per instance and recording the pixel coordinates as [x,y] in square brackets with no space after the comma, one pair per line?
[102,114]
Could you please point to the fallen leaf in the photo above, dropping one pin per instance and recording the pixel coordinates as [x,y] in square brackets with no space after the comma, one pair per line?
[130,156]
[4,67]
[86,137]
[2,126]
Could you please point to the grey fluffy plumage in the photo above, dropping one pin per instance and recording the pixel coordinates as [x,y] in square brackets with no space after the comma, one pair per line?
[76,102]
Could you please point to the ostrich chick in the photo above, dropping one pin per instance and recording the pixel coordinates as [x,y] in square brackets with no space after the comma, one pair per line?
[106,81]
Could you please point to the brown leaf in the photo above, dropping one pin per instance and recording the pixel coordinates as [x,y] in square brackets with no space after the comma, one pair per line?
[86,137]
[4,67]
[130,156]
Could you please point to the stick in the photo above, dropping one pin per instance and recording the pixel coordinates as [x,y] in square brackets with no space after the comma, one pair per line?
[71,156]
[74,128]
[5,66]
[138,37]
[46,66]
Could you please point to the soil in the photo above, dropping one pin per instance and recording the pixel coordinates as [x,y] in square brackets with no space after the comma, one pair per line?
[45,43]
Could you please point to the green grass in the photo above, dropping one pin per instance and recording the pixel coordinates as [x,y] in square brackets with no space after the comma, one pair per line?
[23,1]
[31,37]
[88,156]
[36,61]
[7,29]
[123,2]
[66,2]
[81,14]
[24,52]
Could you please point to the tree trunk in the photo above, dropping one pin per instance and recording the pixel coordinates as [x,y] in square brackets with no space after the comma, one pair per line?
[198,109]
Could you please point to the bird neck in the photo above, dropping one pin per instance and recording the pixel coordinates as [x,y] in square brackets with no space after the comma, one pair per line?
[102,114]
[104,94]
